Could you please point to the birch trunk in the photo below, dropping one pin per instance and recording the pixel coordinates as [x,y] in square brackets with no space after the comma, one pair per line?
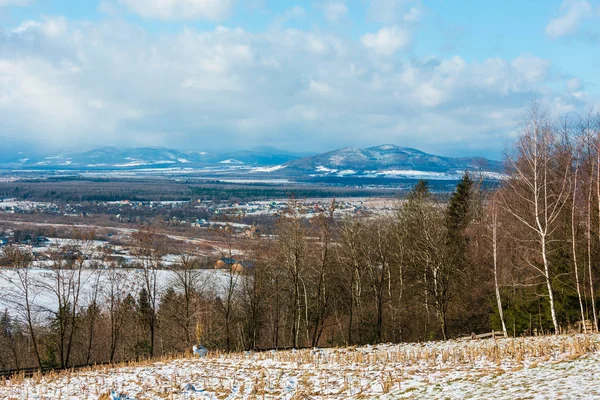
[574,248]
[495,257]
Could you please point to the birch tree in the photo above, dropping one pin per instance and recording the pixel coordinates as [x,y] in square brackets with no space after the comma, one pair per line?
[493,228]
[574,225]
[539,187]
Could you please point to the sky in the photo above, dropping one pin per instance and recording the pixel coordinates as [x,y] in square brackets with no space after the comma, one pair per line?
[448,77]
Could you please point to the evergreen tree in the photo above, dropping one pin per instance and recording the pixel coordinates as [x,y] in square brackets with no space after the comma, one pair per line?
[459,211]
[144,310]
[419,192]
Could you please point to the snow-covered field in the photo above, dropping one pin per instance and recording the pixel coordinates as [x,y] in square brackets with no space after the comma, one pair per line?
[43,281]
[527,368]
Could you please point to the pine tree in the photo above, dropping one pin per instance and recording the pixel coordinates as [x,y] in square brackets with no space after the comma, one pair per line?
[459,212]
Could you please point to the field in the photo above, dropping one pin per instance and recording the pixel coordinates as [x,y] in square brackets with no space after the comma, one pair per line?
[535,367]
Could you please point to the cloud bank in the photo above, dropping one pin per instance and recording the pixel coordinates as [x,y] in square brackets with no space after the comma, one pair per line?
[111,82]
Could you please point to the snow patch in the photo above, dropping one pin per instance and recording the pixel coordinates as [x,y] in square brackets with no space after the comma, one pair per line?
[321,168]
[267,169]
[230,161]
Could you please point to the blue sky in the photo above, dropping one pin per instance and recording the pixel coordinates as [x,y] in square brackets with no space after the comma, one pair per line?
[448,77]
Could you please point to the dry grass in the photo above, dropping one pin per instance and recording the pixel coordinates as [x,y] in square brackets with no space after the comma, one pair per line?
[342,372]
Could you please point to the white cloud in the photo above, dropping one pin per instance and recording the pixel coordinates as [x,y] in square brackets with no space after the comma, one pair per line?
[113,83]
[386,41]
[576,89]
[302,112]
[96,104]
[6,3]
[534,69]
[572,14]
[210,10]
[573,84]
[288,15]
[334,10]
[54,26]
[413,15]
[394,11]
[320,88]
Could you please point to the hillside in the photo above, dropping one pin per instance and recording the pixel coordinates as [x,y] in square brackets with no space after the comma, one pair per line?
[390,161]
[380,162]
[535,367]
[117,157]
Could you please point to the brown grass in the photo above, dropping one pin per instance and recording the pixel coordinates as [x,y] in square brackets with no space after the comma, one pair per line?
[340,371]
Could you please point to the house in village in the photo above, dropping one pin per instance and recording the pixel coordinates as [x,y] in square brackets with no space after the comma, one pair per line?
[228,263]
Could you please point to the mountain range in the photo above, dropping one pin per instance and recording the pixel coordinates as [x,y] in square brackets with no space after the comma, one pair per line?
[388,161]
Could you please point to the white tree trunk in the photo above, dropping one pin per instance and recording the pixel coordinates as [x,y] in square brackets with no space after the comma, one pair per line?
[549,284]
[495,255]
[574,249]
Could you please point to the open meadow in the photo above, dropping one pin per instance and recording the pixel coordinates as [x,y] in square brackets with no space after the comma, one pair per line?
[566,366]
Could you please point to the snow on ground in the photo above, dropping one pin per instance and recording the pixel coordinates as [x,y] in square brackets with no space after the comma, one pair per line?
[271,181]
[23,205]
[414,174]
[43,280]
[267,169]
[566,367]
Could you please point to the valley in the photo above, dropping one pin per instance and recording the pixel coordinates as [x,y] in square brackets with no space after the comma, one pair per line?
[385,166]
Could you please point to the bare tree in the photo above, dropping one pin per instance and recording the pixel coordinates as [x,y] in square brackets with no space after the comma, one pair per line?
[68,264]
[590,131]
[574,219]
[231,283]
[322,267]
[430,256]
[149,247]
[377,253]
[350,237]
[188,279]
[23,297]
[540,185]
[493,227]
[292,246]
[94,310]
[115,292]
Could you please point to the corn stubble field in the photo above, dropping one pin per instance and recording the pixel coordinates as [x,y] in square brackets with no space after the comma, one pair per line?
[565,366]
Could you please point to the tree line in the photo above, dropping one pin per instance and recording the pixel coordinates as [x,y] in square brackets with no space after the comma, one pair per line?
[522,258]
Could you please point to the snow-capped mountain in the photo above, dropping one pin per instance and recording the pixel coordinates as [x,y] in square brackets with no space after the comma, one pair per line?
[148,157]
[116,157]
[386,161]
[390,161]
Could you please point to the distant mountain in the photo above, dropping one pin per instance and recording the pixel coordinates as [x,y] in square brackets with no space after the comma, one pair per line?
[15,151]
[389,161]
[386,161]
[145,157]
[116,157]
